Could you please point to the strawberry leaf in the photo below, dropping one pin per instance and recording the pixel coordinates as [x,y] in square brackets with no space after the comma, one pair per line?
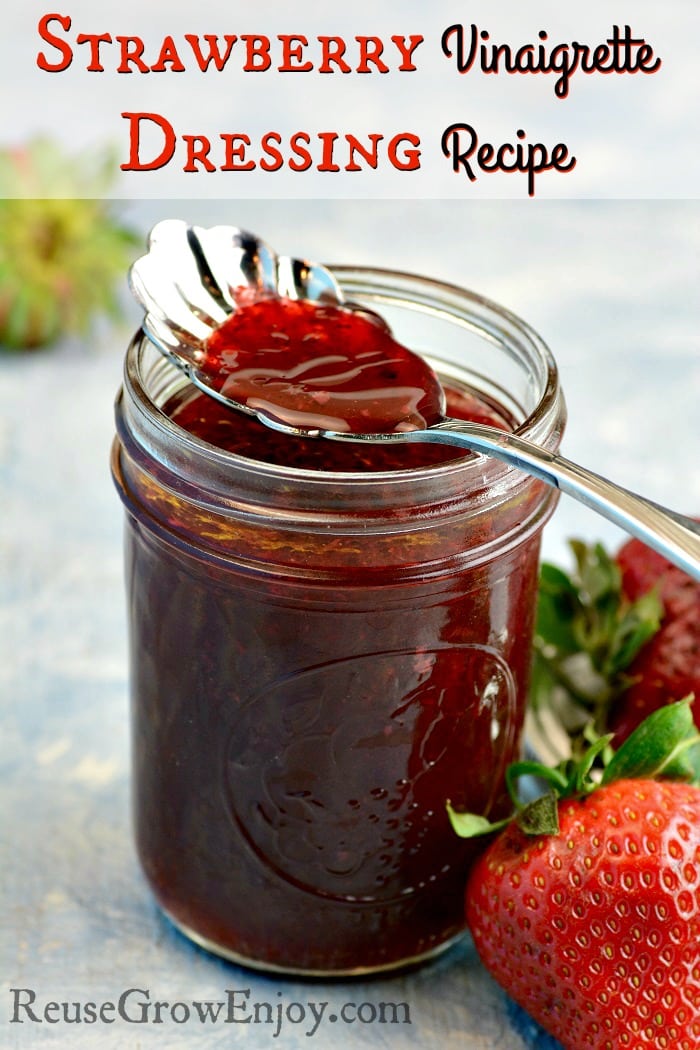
[666,744]
[471,825]
[587,634]
[557,608]
[580,779]
[635,627]
[541,816]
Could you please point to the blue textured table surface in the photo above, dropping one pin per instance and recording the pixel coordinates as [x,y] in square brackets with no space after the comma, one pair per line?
[611,287]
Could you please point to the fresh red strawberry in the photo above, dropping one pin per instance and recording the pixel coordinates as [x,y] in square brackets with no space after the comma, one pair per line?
[667,667]
[587,910]
[596,931]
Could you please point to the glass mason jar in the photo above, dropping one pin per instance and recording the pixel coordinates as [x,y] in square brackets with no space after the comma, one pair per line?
[321,659]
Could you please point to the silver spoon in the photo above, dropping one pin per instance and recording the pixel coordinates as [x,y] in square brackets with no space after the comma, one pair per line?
[188,284]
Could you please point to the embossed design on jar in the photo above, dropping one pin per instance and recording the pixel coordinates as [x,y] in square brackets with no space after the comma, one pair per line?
[341,789]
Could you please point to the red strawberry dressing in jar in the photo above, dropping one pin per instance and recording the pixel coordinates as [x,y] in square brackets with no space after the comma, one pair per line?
[329,641]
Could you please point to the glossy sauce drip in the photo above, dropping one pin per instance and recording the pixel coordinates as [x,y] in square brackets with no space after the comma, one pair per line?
[318,366]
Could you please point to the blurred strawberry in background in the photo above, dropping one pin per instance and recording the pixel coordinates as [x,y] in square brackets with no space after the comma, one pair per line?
[667,667]
[63,251]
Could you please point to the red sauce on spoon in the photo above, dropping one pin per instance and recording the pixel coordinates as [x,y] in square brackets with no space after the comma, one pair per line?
[319,366]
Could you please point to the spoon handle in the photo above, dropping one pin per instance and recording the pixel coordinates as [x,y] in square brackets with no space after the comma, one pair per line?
[673,535]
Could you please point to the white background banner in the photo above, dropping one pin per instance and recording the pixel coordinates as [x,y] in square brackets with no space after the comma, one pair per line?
[365,101]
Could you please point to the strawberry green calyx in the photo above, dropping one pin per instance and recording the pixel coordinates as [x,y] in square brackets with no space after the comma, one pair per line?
[587,635]
[665,746]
